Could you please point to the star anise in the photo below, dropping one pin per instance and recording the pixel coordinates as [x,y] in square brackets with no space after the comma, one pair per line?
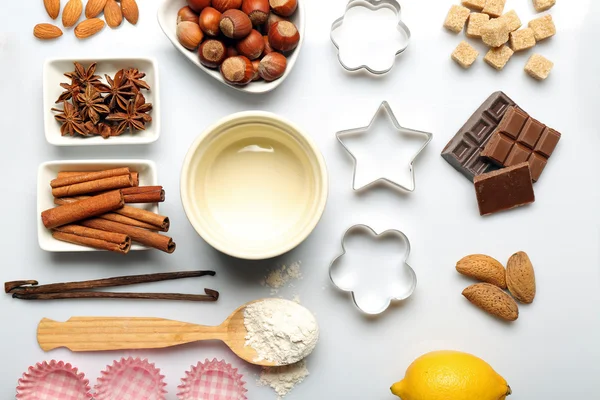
[92,104]
[85,77]
[130,119]
[70,119]
[71,91]
[134,77]
[119,91]
[141,107]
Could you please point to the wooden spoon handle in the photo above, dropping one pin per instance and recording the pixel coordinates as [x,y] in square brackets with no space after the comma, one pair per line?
[102,333]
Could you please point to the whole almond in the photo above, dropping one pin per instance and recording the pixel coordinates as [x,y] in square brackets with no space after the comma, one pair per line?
[93,8]
[113,14]
[89,27]
[71,13]
[483,268]
[492,300]
[520,277]
[130,11]
[46,31]
[52,8]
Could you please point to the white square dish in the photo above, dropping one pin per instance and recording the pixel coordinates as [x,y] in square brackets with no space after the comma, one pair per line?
[48,171]
[54,70]
[167,19]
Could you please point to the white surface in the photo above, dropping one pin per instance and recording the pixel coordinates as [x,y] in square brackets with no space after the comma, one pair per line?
[49,170]
[550,353]
[227,186]
[167,19]
[54,70]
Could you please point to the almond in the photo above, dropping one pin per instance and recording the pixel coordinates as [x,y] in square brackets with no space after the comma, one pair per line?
[483,268]
[71,13]
[130,11]
[52,8]
[113,14]
[46,31]
[93,8]
[89,27]
[492,300]
[520,277]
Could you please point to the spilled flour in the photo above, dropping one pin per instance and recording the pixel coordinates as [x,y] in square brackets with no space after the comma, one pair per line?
[279,277]
[283,379]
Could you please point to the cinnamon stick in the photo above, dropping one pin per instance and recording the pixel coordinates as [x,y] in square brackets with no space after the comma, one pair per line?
[89,176]
[148,238]
[98,185]
[135,176]
[128,221]
[141,189]
[122,248]
[146,197]
[91,207]
[112,237]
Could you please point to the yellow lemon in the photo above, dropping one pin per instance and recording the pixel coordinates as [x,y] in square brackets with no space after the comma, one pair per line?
[451,375]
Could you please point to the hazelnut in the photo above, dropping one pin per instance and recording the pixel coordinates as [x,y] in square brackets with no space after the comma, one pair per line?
[284,36]
[232,52]
[209,21]
[212,53]
[235,24]
[268,49]
[272,66]
[284,8]
[189,34]
[186,14]
[224,5]
[271,20]
[255,64]
[251,46]
[257,10]
[198,5]
[237,70]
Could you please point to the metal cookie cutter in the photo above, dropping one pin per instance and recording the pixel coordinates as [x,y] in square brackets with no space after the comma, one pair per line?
[374,280]
[385,107]
[372,5]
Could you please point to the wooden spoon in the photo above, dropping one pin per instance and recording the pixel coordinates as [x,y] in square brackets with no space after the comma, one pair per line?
[107,333]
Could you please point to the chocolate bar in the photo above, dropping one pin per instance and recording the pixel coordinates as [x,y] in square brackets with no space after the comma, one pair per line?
[504,189]
[463,151]
[521,138]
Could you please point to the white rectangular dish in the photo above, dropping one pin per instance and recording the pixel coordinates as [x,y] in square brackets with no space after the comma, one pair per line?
[54,70]
[48,171]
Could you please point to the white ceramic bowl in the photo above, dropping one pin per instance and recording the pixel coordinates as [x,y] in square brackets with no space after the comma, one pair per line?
[54,70]
[48,171]
[167,19]
[253,185]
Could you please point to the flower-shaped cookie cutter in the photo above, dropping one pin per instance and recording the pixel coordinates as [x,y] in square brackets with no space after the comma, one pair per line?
[391,289]
[372,5]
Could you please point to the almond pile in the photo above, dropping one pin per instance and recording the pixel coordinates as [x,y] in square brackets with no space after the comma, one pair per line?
[489,295]
[113,14]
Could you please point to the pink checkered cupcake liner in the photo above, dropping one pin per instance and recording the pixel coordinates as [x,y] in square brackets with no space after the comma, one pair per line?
[212,380]
[54,380]
[130,379]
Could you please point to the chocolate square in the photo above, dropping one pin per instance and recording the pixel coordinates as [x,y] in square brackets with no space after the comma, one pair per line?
[517,155]
[512,123]
[547,142]
[531,133]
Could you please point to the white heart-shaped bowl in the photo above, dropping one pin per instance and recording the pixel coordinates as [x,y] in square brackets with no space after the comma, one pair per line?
[167,19]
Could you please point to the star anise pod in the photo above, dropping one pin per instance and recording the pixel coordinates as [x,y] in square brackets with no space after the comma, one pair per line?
[130,119]
[85,77]
[119,91]
[71,91]
[92,104]
[134,77]
[70,119]
[104,130]
[141,107]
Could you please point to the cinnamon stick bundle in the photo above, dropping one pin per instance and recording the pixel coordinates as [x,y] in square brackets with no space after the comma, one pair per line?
[94,186]
[135,176]
[95,238]
[148,238]
[88,176]
[90,207]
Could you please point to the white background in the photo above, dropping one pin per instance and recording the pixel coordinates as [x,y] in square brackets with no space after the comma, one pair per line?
[551,352]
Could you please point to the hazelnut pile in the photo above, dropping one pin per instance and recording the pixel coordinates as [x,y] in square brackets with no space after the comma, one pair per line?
[246,39]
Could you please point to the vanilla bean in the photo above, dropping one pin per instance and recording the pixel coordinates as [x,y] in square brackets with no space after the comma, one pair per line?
[211,295]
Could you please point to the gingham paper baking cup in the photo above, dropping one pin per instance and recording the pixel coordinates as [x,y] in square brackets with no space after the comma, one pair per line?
[130,379]
[53,381]
[212,380]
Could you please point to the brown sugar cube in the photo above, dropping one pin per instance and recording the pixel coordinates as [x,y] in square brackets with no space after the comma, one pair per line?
[513,21]
[543,27]
[465,54]
[474,4]
[522,39]
[494,8]
[542,5]
[495,32]
[538,67]
[498,56]
[456,18]
[476,21]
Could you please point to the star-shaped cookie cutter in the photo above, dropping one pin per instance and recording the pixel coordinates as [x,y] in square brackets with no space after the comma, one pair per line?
[385,107]
[372,5]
